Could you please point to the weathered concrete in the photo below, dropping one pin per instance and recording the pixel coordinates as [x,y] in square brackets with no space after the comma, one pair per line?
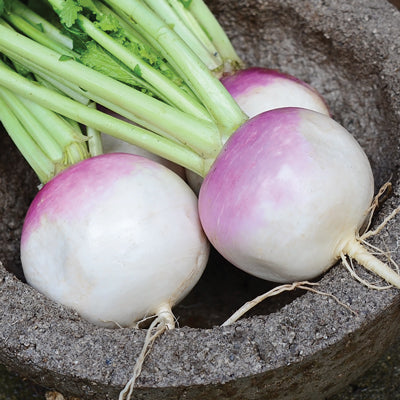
[349,51]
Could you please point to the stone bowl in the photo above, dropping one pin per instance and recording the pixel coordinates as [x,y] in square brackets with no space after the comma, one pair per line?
[299,345]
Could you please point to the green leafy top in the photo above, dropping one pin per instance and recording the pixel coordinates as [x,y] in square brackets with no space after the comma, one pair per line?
[94,56]
[97,58]
[130,42]
[69,13]
[71,9]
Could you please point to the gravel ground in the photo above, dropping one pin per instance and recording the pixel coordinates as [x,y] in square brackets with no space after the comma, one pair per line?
[381,382]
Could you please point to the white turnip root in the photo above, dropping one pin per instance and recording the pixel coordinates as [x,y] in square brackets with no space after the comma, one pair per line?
[287,195]
[122,236]
[261,89]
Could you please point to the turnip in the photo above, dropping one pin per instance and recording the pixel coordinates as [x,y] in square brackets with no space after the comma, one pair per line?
[261,89]
[298,192]
[122,237]
[89,235]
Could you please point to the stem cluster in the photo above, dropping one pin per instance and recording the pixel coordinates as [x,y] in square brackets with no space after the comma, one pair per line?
[156,63]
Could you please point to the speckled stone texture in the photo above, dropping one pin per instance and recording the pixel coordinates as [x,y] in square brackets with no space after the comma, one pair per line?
[296,346]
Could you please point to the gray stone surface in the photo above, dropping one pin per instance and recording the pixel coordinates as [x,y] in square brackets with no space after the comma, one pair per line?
[347,51]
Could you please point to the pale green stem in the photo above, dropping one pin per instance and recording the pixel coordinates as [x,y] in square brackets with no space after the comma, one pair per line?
[133,34]
[38,130]
[207,87]
[72,142]
[50,82]
[39,162]
[191,22]
[217,35]
[31,31]
[163,9]
[94,138]
[200,135]
[170,91]
[103,122]
[126,22]
[75,92]
[50,30]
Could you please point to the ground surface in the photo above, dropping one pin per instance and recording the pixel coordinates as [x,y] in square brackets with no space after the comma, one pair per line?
[381,382]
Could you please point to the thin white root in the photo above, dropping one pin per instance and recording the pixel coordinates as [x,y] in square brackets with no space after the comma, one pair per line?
[349,266]
[136,325]
[386,253]
[375,203]
[164,321]
[355,250]
[368,234]
[305,285]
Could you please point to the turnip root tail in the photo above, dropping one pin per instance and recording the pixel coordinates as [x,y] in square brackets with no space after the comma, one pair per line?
[164,320]
[356,251]
[380,196]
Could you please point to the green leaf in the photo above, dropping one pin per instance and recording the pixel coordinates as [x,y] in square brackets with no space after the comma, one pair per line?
[99,59]
[65,58]
[17,67]
[70,12]
[6,6]
[137,71]
[108,23]
[186,3]
[78,37]
[143,51]
[88,4]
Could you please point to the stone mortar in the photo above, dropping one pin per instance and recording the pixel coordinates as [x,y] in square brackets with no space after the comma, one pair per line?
[295,346]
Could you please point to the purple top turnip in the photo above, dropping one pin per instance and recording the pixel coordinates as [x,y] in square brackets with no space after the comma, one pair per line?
[287,196]
[122,236]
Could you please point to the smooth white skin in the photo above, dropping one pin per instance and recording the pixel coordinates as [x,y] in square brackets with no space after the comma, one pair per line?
[136,248]
[287,193]
[114,145]
[281,93]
